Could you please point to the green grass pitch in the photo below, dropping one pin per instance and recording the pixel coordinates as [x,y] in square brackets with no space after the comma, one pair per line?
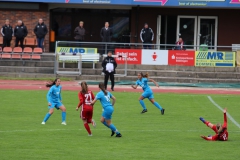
[174,136]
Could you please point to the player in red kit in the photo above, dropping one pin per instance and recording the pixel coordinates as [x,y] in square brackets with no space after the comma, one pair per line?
[86,97]
[220,130]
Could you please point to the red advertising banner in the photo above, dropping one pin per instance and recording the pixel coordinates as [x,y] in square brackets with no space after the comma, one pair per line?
[134,56]
[181,58]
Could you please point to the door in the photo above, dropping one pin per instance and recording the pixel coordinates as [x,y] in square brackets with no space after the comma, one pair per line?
[187,30]
[207,32]
[158,33]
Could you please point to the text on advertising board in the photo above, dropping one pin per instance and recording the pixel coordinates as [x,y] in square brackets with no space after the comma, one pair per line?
[215,59]
[133,56]
[181,58]
[75,50]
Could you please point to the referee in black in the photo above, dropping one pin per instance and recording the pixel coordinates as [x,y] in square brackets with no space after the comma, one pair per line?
[109,65]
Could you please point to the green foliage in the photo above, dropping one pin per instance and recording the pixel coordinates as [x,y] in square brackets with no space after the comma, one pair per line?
[173,136]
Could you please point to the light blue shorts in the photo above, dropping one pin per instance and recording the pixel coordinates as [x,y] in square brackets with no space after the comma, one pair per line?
[55,104]
[148,94]
[107,113]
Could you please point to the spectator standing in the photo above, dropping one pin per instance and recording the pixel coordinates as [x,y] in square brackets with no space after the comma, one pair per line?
[106,34]
[109,65]
[7,33]
[180,44]
[79,32]
[20,32]
[146,36]
[40,31]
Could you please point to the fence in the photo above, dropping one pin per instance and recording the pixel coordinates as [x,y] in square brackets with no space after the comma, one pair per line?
[161,54]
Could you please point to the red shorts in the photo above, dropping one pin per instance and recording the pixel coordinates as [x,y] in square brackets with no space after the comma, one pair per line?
[86,113]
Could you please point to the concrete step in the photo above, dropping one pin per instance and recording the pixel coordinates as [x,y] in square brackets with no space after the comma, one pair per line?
[162,67]
[35,75]
[164,79]
[27,63]
[163,73]
[47,57]
[19,69]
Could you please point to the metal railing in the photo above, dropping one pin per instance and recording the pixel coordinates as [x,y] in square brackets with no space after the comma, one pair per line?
[103,47]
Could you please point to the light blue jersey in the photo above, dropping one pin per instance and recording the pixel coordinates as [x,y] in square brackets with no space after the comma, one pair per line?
[54,94]
[144,84]
[147,92]
[104,99]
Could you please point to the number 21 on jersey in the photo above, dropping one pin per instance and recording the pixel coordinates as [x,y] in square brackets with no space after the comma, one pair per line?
[88,98]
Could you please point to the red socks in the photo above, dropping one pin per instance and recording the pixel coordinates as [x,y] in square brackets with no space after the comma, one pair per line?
[87,128]
[206,122]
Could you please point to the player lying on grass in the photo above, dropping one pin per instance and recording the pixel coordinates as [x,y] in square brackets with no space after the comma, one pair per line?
[104,97]
[220,130]
[86,97]
[147,92]
[55,100]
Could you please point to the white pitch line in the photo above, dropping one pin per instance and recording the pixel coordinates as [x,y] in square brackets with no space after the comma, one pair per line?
[219,107]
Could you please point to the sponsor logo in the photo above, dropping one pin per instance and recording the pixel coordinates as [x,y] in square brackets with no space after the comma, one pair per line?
[215,59]
[155,57]
[182,58]
[133,56]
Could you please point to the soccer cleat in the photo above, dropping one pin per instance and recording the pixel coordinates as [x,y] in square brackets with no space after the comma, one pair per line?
[90,135]
[64,123]
[143,111]
[202,119]
[162,111]
[43,123]
[93,123]
[112,133]
[112,89]
[119,135]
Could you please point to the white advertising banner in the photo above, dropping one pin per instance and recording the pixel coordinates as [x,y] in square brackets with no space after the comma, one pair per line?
[154,57]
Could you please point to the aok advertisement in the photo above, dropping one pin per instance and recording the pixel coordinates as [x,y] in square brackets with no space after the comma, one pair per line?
[134,56]
[214,59]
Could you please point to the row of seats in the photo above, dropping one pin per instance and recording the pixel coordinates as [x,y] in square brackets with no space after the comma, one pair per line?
[19,53]
[27,41]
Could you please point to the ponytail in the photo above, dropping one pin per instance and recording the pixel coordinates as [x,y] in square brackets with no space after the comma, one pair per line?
[84,87]
[51,83]
[102,87]
[145,76]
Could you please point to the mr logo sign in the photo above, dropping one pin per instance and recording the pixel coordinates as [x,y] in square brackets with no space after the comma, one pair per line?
[215,59]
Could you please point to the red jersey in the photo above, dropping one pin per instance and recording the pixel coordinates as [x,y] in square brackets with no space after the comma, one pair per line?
[85,99]
[223,136]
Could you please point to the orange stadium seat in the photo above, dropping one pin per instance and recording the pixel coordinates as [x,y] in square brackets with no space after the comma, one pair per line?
[1,40]
[27,51]
[17,51]
[7,51]
[36,52]
[30,41]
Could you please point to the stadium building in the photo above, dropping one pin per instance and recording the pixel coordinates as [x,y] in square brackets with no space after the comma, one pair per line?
[213,22]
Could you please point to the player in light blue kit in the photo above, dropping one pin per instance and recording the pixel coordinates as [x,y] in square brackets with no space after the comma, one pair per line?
[147,92]
[105,99]
[55,100]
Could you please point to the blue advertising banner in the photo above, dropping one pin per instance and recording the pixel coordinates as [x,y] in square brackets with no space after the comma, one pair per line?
[168,3]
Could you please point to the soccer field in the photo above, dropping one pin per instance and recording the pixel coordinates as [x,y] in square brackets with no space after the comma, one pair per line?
[173,136]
